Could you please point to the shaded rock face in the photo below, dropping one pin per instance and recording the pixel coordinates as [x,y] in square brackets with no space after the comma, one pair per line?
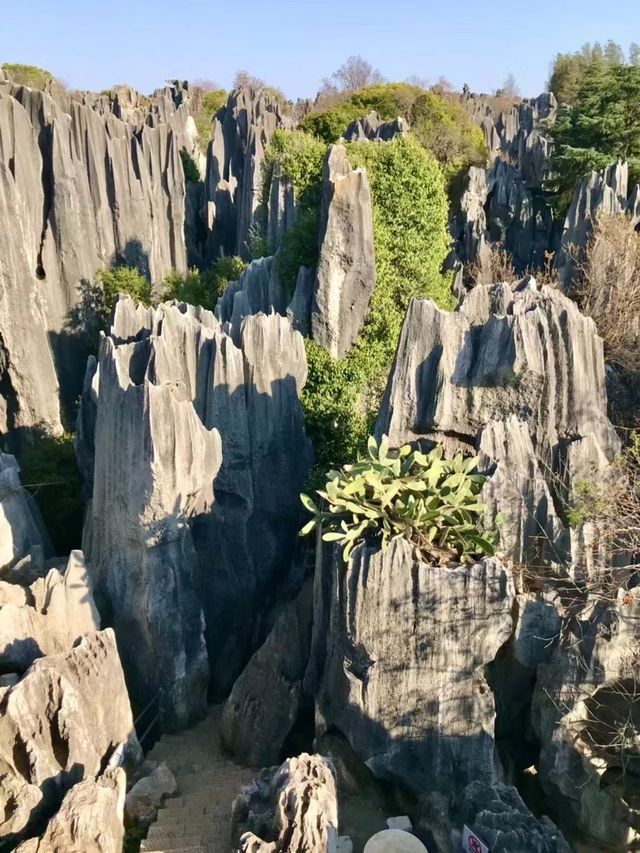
[89,819]
[397,663]
[500,818]
[516,373]
[257,290]
[599,193]
[200,455]
[346,273]
[373,128]
[585,713]
[288,809]
[144,799]
[87,190]
[48,617]
[503,203]
[21,529]
[60,725]
[267,697]
[241,132]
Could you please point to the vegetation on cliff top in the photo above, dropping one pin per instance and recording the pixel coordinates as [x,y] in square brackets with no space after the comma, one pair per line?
[429,500]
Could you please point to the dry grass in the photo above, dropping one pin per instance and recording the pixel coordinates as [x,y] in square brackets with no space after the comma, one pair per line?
[608,282]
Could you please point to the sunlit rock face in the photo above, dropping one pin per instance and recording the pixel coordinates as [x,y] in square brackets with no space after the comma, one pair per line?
[200,454]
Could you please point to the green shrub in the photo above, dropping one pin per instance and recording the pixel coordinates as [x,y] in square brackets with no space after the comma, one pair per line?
[330,124]
[212,102]
[190,167]
[28,75]
[50,473]
[127,281]
[204,288]
[425,498]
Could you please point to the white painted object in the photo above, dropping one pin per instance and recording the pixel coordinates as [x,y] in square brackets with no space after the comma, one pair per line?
[471,843]
[394,841]
[400,822]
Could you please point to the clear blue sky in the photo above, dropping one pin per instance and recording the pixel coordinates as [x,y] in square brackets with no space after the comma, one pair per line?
[294,43]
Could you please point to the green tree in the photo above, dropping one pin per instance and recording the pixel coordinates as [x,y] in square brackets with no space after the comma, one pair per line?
[28,75]
[204,287]
[603,125]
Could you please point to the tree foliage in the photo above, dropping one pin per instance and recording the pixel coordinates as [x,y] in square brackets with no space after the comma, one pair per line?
[50,473]
[568,69]
[354,74]
[28,75]
[204,287]
[425,498]
[602,125]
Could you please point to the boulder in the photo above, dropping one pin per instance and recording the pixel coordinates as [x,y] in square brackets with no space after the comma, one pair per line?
[145,797]
[346,273]
[48,617]
[89,819]
[372,128]
[398,662]
[288,809]
[267,697]
[59,725]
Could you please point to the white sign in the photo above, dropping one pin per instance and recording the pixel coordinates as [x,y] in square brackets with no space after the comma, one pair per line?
[471,843]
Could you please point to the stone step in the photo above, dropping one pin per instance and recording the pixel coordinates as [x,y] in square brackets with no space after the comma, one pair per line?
[165,844]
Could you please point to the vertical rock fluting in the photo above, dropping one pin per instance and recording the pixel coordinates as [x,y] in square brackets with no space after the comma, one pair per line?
[397,663]
[21,530]
[517,374]
[233,186]
[346,273]
[79,190]
[200,454]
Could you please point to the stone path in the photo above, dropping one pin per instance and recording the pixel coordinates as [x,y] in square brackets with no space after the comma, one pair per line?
[198,819]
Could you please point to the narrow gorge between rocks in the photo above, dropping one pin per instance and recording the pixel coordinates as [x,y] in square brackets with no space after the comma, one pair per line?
[320,465]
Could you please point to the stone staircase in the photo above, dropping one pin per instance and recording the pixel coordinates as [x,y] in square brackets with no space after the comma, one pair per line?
[198,818]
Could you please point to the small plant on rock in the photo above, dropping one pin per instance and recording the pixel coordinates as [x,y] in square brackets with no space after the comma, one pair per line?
[432,501]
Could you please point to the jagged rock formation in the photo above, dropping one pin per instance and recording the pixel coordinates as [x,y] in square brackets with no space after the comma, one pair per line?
[290,809]
[371,127]
[503,204]
[518,374]
[598,194]
[397,662]
[585,714]
[241,132]
[257,290]
[89,819]
[282,207]
[194,519]
[267,697]
[87,190]
[346,273]
[21,530]
[145,797]
[46,618]
[60,725]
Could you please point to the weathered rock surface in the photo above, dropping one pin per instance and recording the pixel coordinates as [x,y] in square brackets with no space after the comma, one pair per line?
[79,190]
[603,193]
[398,657]
[585,714]
[290,809]
[144,799]
[58,726]
[46,618]
[241,132]
[257,290]
[518,374]
[267,697]
[499,817]
[89,819]
[21,529]
[371,127]
[346,273]
[194,519]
